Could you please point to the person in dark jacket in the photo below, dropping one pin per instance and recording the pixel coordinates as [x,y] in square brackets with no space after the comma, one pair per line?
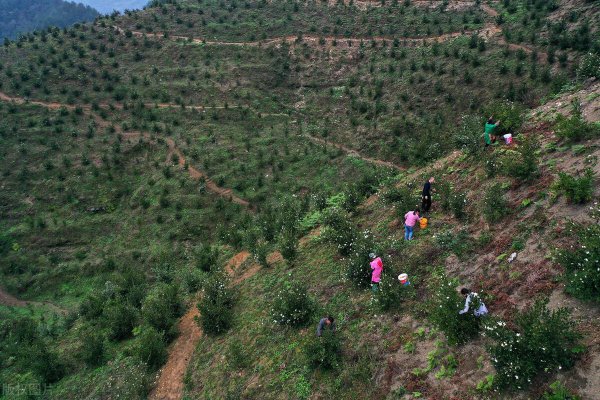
[324,323]
[426,196]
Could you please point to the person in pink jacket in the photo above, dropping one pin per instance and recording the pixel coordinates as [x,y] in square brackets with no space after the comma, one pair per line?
[410,220]
[377,267]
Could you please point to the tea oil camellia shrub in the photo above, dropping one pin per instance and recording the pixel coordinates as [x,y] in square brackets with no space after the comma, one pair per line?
[511,116]
[148,347]
[206,257]
[391,293]
[323,352]
[340,231]
[541,340]
[358,267]
[495,205]
[575,128]
[216,314]
[458,202]
[525,165]
[444,312]
[468,136]
[577,189]
[589,67]
[558,391]
[582,263]
[292,306]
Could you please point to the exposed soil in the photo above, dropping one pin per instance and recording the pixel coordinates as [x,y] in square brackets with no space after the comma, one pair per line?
[169,385]
[340,42]
[355,153]
[199,175]
[7,299]
[588,98]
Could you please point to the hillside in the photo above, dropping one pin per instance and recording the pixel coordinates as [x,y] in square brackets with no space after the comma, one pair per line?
[189,188]
[23,16]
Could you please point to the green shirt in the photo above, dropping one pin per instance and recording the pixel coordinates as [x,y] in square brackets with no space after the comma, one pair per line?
[489,130]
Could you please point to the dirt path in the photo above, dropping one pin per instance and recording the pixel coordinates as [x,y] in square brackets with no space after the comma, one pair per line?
[20,100]
[169,385]
[199,175]
[7,299]
[313,40]
[356,154]
[173,149]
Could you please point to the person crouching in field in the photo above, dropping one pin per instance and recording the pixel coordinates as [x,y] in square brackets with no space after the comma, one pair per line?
[324,323]
[377,267]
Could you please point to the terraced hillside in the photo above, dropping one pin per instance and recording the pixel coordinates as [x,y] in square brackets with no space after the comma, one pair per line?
[221,157]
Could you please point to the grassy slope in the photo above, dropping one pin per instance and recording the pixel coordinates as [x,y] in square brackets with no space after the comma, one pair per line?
[65,249]
[376,363]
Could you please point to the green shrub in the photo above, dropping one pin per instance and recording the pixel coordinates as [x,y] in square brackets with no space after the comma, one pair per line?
[581,262]
[458,201]
[402,198]
[495,205]
[541,341]
[162,306]
[575,128]
[206,257]
[559,392]
[391,293]
[445,195]
[237,356]
[120,318]
[492,163]
[525,165]
[511,116]
[358,267]
[292,305]
[340,230]
[261,252]
[589,67]
[216,314]
[92,348]
[578,190]
[288,244]
[444,311]
[148,347]
[323,352]
[92,306]
[457,242]
[468,137]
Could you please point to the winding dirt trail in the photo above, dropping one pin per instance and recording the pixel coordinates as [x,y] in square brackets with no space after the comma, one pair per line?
[354,153]
[7,299]
[339,42]
[199,175]
[490,29]
[173,149]
[169,385]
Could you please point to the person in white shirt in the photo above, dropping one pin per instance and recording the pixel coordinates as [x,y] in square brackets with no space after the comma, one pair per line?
[480,308]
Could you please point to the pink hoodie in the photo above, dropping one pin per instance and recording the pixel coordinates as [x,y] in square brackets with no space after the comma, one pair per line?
[377,267]
[411,218]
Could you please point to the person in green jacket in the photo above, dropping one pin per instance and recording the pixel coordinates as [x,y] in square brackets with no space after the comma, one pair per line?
[489,135]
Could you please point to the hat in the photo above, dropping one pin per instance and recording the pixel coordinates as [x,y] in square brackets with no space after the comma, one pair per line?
[403,277]
[372,255]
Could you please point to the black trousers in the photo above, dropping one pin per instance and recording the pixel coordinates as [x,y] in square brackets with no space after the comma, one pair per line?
[426,203]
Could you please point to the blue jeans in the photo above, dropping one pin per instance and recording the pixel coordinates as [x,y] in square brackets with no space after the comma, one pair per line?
[408,232]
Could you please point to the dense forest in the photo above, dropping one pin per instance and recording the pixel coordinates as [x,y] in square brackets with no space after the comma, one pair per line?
[20,16]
